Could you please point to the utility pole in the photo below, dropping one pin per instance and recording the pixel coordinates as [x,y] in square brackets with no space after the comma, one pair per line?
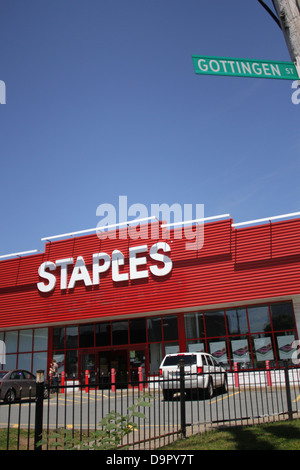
[288,12]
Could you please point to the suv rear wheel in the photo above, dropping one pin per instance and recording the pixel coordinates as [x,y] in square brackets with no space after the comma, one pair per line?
[225,385]
[210,389]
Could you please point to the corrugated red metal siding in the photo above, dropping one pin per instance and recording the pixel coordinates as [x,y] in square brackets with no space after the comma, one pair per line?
[234,265]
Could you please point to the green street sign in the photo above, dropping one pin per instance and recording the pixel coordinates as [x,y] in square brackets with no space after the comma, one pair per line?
[205,65]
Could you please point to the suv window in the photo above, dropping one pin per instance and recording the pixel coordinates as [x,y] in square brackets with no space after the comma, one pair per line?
[210,361]
[215,363]
[188,359]
[204,360]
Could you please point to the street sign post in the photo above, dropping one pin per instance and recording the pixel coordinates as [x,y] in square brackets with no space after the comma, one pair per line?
[206,65]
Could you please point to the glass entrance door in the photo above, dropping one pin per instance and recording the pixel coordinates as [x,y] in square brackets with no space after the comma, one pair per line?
[137,359]
[109,360]
[126,363]
[104,369]
[88,362]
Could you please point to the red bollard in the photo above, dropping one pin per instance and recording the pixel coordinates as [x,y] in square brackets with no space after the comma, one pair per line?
[140,371]
[236,375]
[63,379]
[113,380]
[86,381]
[269,380]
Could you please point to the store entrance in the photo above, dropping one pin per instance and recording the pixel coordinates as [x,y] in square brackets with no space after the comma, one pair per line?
[125,362]
[108,360]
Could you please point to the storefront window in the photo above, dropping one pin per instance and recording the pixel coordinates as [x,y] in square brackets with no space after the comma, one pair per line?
[218,349]
[259,319]
[25,341]
[154,329]
[19,347]
[223,333]
[40,339]
[170,327]
[137,330]
[263,351]
[86,336]
[11,361]
[282,316]
[71,337]
[120,332]
[11,341]
[287,348]
[103,334]
[24,361]
[155,357]
[215,323]
[58,338]
[195,346]
[171,348]
[240,350]
[39,362]
[237,321]
[194,325]
[249,347]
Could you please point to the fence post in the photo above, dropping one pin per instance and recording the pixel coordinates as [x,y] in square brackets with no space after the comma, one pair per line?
[288,391]
[182,398]
[140,371]
[236,375]
[269,381]
[40,382]
[113,380]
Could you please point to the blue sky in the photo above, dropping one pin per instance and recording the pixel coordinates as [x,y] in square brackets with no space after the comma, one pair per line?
[102,101]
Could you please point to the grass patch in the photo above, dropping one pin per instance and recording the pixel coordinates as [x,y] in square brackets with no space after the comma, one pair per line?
[284,435]
[20,439]
[16,439]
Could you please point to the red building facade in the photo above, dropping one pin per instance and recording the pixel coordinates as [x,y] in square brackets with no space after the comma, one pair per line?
[96,302]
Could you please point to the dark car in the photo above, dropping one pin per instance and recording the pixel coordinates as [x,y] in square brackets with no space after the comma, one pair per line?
[18,383]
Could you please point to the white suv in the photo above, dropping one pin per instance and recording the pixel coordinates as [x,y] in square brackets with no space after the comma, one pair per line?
[201,371]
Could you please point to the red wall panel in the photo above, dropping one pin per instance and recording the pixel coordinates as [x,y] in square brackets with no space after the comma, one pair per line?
[234,265]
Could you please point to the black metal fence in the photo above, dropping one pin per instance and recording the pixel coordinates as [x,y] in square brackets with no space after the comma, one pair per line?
[137,416]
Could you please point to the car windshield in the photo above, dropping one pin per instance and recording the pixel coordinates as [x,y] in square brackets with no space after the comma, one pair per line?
[2,374]
[188,359]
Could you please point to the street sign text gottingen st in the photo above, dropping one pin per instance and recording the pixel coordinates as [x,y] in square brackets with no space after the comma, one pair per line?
[244,68]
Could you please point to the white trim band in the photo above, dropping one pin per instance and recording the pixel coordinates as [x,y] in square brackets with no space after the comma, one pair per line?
[267,219]
[98,228]
[196,220]
[19,253]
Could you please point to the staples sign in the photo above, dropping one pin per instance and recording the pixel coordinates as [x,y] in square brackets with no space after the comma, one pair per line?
[102,262]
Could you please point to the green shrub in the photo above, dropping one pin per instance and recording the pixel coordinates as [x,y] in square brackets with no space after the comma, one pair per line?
[114,427]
